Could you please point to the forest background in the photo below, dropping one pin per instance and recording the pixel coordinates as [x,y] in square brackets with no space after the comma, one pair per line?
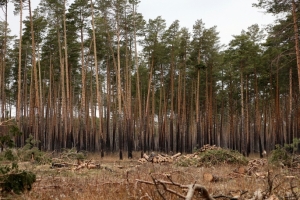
[96,76]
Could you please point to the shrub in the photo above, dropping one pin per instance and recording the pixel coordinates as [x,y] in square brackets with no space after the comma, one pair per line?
[213,157]
[219,156]
[30,150]
[9,155]
[14,180]
[9,131]
[285,154]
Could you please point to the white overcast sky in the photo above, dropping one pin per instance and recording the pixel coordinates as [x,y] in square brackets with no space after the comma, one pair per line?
[230,16]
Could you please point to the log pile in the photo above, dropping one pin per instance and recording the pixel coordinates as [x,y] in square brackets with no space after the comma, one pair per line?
[198,158]
[159,158]
[74,167]
[88,165]
[164,158]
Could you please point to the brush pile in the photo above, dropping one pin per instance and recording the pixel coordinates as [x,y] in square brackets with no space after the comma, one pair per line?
[206,155]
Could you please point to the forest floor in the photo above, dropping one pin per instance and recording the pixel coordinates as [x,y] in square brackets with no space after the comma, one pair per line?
[129,179]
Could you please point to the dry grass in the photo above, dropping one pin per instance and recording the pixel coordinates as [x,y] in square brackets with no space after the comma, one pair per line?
[118,180]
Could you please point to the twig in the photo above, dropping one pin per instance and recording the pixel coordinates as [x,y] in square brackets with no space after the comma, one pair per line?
[146,195]
[292,189]
[224,196]
[160,194]
[142,181]
[171,191]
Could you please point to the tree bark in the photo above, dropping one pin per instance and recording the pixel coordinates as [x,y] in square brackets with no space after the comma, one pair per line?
[99,132]
[18,111]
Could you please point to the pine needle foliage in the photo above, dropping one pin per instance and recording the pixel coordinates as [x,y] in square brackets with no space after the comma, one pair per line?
[213,157]
[12,179]
[286,154]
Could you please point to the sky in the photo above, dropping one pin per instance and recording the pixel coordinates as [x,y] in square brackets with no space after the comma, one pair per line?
[230,16]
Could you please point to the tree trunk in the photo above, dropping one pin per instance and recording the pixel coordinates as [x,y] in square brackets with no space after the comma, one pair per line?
[242,133]
[18,111]
[36,88]
[83,111]
[99,132]
[67,128]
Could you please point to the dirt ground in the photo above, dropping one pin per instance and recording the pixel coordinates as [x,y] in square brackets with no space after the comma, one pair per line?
[129,179]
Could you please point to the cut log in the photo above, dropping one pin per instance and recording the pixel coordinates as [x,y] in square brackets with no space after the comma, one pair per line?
[242,170]
[58,165]
[80,166]
[93,166]
[176,155]
[146,156]
[261,174]
[210,178]
[155,159]
[142,160]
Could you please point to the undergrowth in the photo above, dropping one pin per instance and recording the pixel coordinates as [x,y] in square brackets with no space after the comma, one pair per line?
[286,154]
[213,157]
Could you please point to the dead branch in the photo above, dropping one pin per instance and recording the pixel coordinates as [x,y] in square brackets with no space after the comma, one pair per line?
[192,188]
[4,122]
[142,181]
[170,190]
[196,187]
[146,195]
[155,183]
[292,189]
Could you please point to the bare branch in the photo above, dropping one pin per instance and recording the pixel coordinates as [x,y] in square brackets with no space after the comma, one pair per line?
[196,187]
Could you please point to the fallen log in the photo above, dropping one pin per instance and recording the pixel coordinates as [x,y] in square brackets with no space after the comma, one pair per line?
[93,166]
[58,165]
[142,160]
[241,170]
[192,188]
